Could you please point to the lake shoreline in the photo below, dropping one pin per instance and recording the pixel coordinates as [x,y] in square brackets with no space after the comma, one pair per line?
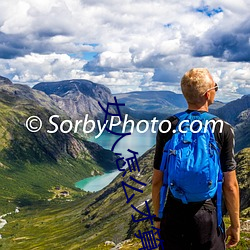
[136,142]
[98,182]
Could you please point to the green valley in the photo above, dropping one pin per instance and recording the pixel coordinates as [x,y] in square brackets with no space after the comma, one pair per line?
[32,163]
[88,221]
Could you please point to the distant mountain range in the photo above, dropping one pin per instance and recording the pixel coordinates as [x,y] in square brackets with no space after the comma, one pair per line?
[160,104]
[80,97]
[162,99]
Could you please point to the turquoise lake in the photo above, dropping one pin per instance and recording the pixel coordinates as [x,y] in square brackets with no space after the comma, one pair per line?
[136,141]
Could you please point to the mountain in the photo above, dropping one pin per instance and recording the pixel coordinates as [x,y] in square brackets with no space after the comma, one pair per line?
[243,174]
[4,80]
[149,104]
[82,223]
[232,110]
[78,97]
[31,164]
[242,130]
[88,222]
[237,114]
[216,105]
[142,100]
[159,104]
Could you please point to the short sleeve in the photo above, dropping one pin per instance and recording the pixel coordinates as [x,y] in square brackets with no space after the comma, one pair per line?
[228,162]
[226,141]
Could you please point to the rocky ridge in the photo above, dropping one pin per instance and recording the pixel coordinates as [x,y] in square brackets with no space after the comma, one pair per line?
[78,98]
[4,80]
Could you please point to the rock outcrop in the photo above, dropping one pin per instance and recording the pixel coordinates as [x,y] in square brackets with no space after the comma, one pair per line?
[78,97]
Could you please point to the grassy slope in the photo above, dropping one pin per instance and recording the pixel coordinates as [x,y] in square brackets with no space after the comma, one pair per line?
[60,225]
[49,226]
[85,223]
[33,182]
[28,174]
[243,175]
[31,164]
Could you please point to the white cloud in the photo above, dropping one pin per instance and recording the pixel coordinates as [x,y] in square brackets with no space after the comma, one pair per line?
[16,18]
[34,68]
[117,81]
[140,44]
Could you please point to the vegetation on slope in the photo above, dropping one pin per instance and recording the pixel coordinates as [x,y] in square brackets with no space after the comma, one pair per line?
[87,222]
[32,163]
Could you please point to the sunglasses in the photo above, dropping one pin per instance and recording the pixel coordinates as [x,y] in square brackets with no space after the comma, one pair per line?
[216,87]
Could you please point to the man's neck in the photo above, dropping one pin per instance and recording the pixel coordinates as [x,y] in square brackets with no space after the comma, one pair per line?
[198,107]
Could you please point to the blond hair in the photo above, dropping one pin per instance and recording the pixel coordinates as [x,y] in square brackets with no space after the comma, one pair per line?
[195,83]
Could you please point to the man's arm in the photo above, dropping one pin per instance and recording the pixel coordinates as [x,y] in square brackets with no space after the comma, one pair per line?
[156,187]
[231,195]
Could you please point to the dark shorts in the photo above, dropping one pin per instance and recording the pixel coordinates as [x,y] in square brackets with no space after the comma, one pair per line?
[191,226]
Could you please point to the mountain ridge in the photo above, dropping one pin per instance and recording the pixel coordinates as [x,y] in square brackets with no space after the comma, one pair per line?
[237,114]
[230,111]
[4,80]
[77,97]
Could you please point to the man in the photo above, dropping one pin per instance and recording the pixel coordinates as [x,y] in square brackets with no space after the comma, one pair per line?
[194,225]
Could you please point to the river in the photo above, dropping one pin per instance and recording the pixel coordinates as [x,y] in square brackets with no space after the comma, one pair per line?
[3,222]
[139,142]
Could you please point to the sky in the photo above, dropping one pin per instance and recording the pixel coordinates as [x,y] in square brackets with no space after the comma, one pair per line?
[127,45]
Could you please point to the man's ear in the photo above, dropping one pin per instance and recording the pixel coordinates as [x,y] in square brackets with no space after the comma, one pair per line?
[207,95]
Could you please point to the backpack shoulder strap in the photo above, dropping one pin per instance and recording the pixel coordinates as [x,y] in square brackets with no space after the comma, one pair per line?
[182,115]
[208,116]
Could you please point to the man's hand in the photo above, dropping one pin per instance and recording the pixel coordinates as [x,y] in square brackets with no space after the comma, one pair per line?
[157,224]
[232,236]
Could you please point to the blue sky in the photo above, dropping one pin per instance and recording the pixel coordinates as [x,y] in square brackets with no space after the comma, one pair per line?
[126,45]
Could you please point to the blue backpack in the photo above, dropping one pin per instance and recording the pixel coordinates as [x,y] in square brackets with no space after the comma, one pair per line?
[191,162]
